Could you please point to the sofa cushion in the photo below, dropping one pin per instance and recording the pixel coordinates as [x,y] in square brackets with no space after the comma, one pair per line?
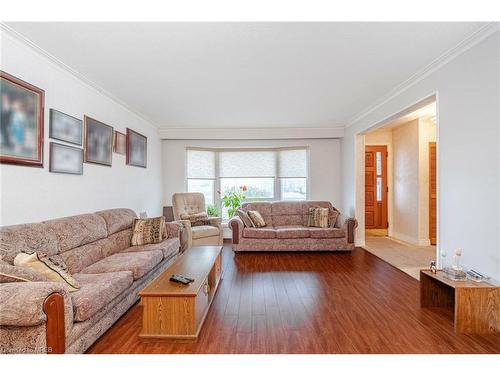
[292,231]
[326,232]
[117,219]
[22,237]
[139,263]
[77,230]
[168,247]
[96,291]
[244,217]
[83,256]
[202,231]
[319,217]
[259,233]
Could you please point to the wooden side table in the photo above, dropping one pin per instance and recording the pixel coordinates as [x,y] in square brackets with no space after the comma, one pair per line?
[475,306]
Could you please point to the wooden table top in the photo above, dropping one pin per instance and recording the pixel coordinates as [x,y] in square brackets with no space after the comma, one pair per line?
[195,263]
[439,275]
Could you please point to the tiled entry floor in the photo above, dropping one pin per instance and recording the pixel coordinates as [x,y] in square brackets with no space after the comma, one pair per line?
[408,258]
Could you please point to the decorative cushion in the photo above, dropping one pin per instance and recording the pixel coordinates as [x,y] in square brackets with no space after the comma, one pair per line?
[97,291]
[256,218]
[10,273]
[49,267]
[292,231]
[139,263]
[197,219]
[326,232]
[262,233]
[148,231]
[334,215]
[244,217]
[202,231]
[318,217]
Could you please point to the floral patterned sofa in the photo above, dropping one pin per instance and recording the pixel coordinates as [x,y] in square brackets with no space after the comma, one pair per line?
[286,229]
[44,316]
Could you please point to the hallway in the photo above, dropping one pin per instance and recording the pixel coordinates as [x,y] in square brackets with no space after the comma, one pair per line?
[408,258]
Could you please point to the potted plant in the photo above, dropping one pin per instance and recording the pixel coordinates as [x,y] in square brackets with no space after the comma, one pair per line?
[212,211]
[233,199]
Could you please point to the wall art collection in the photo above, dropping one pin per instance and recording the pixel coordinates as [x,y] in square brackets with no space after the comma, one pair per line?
[22,133]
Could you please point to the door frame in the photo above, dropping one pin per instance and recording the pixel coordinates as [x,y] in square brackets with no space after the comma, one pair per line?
[359,168]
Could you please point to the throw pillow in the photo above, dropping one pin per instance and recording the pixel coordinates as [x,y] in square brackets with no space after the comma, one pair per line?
[196,219]
[51,268]
[257,219]
[148,231]
[244,217]
[333,218]
[10,273]
[318,217]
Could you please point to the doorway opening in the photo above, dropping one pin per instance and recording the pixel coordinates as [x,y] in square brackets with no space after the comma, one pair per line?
[400,189]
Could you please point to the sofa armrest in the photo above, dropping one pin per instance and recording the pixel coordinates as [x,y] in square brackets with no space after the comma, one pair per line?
[173,229]
[42,304]
[186,235]
[22,303]
[349,224]
[236,225]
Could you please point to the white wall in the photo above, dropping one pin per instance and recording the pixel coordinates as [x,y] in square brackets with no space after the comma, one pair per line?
[33,194]
[405,144]
[468,156]
[324,164]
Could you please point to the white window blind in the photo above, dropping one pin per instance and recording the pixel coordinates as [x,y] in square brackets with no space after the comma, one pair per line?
[247,163]
[200,164]
[292,163]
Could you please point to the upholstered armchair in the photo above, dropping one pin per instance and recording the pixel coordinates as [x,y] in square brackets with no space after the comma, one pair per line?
[188,204]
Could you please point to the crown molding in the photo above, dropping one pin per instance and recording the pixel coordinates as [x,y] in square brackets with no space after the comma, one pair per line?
[27,42]
[250,133]
[467,43]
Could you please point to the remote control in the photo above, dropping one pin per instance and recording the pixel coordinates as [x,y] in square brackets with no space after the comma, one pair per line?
[181,279]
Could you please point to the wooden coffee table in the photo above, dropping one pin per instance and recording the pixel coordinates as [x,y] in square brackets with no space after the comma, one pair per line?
[176,311]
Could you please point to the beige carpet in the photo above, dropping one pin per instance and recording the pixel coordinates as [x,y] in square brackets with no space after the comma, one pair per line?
[408,258]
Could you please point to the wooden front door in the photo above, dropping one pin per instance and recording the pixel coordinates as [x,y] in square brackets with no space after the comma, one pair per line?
[432,193]
[376,187]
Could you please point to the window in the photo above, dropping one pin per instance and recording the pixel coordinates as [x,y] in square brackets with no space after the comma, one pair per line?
[268,174]
[201,174]
[378,157]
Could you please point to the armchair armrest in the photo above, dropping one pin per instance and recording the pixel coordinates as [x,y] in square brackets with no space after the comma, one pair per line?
[349,224]
[236,225]
[215,221]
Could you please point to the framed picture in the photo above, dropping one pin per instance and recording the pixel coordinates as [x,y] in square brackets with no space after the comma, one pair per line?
[137,149]
[21,122]
[120,143]
[98,142]
[65,128]
[65,159]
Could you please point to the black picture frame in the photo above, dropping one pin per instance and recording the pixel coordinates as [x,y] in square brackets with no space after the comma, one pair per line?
[137,149]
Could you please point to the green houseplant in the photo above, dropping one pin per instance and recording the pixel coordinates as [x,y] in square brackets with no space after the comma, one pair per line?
[212,210]
[232,199]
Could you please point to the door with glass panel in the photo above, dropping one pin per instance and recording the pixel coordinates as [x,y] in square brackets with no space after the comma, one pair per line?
[376,187]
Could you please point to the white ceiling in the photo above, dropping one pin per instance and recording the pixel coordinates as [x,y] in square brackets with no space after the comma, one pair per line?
[203,75]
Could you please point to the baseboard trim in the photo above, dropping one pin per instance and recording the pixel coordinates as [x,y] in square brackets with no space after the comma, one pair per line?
[411,240]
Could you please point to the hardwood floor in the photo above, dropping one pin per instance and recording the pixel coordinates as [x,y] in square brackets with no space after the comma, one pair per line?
[309,303]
